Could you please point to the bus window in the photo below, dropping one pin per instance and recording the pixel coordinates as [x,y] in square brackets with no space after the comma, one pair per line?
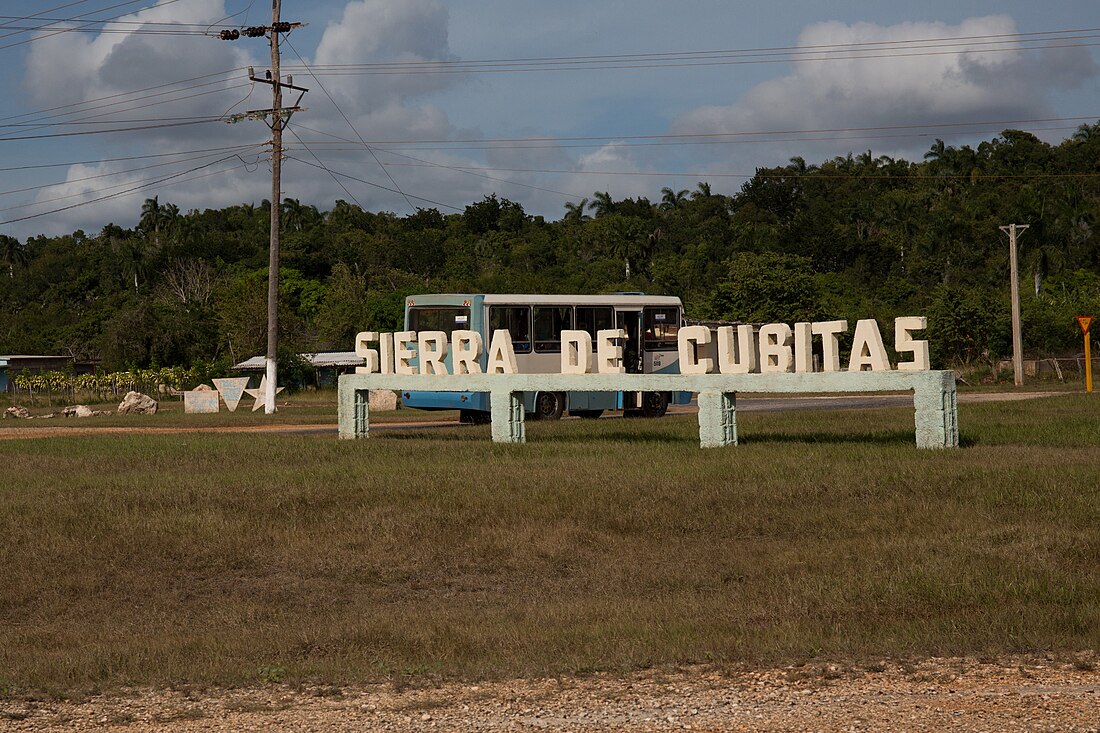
[439,319]
[517,320]
[550,321]
[661,328]
[593,319]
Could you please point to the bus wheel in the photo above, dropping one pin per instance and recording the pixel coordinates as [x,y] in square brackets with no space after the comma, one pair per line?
[654,404]
[549,405]
[586,414]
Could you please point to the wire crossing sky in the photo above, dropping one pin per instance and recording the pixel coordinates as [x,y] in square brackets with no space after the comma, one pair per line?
[425,103]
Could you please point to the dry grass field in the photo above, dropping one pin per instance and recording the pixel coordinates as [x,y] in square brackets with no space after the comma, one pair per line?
[599,545]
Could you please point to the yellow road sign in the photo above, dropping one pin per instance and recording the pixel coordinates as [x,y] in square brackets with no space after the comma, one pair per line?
[1084,322]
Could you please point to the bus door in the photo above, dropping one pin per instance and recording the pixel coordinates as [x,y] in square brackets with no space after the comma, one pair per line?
[631,322]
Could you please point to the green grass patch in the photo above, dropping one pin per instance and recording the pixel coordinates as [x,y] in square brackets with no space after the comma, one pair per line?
[599,545]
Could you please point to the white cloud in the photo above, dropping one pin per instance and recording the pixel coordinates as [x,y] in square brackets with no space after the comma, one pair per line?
[943,86]
[71,67]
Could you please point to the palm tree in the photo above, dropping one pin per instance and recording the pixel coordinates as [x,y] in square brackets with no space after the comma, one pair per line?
[702,191]
[937,151]
[151,217]
[131,252]
[672,199]
[14,253]
[170,220]
[602,203]
[1084,133]
[293,214]
[575,212]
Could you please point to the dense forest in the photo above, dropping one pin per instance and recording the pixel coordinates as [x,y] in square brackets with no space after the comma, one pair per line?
[853,237]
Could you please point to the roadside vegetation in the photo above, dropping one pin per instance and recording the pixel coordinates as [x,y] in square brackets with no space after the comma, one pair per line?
[598,545]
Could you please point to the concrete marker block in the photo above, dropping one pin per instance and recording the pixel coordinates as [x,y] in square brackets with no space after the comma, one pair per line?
[507,417]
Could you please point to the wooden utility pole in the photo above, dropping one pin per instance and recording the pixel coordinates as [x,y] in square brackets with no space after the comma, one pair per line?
[1017,341]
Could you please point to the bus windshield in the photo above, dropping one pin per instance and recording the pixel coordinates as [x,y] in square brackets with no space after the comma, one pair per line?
[445,319]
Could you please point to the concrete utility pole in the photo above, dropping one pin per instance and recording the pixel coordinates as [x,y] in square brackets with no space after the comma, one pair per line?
[279,117]
[1017,341]
[277,123]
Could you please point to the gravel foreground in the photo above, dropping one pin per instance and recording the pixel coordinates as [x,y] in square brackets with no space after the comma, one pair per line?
[1019,694]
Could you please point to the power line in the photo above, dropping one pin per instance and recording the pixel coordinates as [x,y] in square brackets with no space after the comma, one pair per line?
[373,184]
[428,163]
[815,175]
[172,23]
[324,167]
[43,12]
[721,52]
[205,118]
[105,175]
[356,70]
[741,133]
[125,94]
[101,132]
[128,191]
[348,120]
[85,193]
[160,4]
[128,157]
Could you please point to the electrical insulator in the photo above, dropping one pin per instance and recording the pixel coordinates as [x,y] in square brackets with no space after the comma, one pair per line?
[254,31]
[282,27]
[230,35]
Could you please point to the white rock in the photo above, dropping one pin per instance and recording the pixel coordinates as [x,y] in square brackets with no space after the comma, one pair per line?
[16,411]
[135,403]
[382,400]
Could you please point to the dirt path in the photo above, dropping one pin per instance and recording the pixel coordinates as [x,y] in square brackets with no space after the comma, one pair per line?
[1019,694]
[745,404]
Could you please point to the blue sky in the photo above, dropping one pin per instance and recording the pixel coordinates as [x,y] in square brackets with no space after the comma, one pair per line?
[931,88]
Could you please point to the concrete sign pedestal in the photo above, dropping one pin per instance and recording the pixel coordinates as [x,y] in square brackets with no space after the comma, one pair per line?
[934,398]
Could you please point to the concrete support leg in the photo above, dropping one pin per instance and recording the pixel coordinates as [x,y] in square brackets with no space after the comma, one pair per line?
[937,412]
[353,408]
[717,419]
[507,412]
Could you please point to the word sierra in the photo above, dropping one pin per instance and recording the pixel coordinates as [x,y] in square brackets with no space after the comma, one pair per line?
[776,347]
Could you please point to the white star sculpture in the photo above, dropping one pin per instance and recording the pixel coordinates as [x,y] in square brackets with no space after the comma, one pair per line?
[260,393]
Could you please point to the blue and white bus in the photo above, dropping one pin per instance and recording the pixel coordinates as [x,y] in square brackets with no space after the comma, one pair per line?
[535,323]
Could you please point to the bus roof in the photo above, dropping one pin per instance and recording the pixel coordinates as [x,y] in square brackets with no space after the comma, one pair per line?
[632,299]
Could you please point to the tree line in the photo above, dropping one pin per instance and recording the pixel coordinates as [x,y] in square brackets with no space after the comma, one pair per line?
[859,236]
